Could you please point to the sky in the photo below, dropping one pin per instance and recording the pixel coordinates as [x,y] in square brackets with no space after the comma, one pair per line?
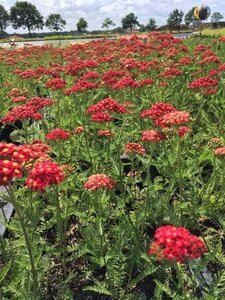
[95,11]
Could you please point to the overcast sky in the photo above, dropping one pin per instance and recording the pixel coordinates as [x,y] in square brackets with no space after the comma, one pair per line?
[95,11]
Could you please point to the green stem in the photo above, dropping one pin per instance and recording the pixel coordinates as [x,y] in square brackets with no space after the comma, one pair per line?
[179,165]
[27,240]
[3,249]
[101,232]
[147,193]
[179,276]
[60,231]
[64,232]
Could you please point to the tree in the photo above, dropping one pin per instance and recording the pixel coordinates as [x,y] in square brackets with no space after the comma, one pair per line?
[142,28]
[175,19]
[130,21]
[151,24]
[216,17]
[189,18]
[107,22]
[4,19]
[26,15]
[82,25]
[55,22]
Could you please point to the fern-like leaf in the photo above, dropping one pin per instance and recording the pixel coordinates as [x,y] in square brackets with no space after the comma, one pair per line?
[100,289]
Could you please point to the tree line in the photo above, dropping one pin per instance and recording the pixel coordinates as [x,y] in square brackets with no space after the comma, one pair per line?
[25,15]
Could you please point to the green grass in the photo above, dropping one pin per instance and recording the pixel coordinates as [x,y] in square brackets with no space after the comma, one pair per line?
[83,36]
[214,32]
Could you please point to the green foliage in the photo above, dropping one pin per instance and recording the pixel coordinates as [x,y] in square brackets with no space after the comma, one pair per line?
[216,17]
[25,15]
[130,21]
[151,25]
[55,22]
[175,19]
[4,19]
[107,23]
[82,25]
[189,17]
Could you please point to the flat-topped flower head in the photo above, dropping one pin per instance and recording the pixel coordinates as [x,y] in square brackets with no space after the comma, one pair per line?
[176,244]
[135,148]
[44,174]
[97,181]
[8,170]
[157,110]
[152,136]
[58,134]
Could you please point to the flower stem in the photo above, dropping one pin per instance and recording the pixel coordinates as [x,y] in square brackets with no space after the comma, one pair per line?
[179,276]
[27,240]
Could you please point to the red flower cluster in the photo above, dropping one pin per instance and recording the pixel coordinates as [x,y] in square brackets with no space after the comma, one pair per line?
[21,113]
[110,77]
[15,92]
[99,181]
[184,130]
[125,82]
[173,118]
[23,153]
[135,148]
[80,64]
[186,60]
[220,151]
[19,99]
[8,170]
[145,82]
[101,117]
[78,130]
[106,133]
[221,67]
[157,110]
[90,75]
[203,83]
[222,39]
[107,104]
[44,174]
[58,134]
[176,244]
[56,83]
[152,136]
[28,110]
[171,73]
[81,85]
[39,102]
[209,59]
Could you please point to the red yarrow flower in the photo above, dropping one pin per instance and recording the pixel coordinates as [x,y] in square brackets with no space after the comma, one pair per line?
[157,110]
[8,170]
[173,118]
[176,244]
[44,174]
[220,151]
[135,148]
[152,136]
[19,99]
[78,130]
[101,117]
[56,83]
[202,83]
[58,134]
[97,181]
[183,131]
[107,104]
[171,73]
[105,133]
